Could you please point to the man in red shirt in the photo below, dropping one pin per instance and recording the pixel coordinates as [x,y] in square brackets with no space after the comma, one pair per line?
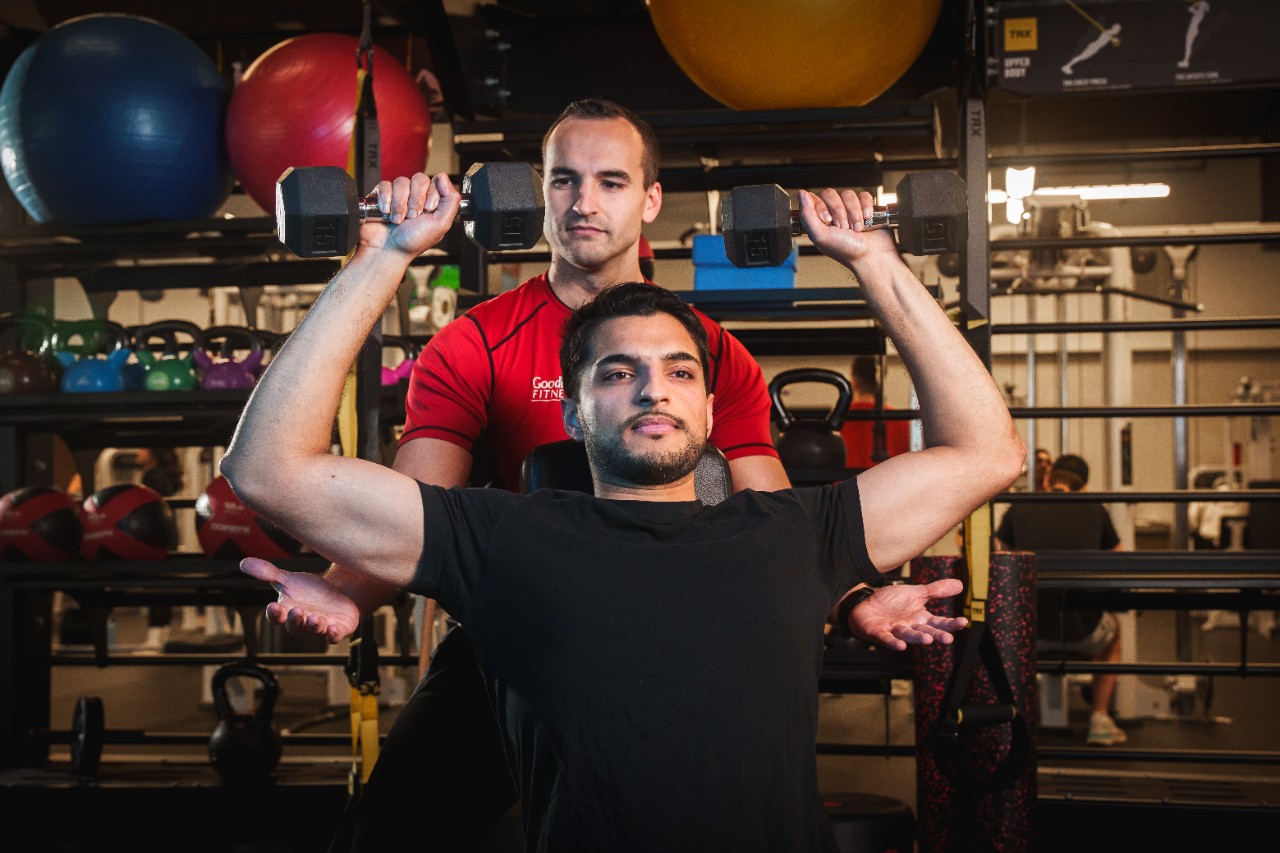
[860,436]
[492,377]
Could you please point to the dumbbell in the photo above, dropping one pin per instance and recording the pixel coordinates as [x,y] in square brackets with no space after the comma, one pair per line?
[758,223]
[318,213]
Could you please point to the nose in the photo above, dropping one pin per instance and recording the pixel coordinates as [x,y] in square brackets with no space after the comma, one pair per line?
[587,202]
[652,389]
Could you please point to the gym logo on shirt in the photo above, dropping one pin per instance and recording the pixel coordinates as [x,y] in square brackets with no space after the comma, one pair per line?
[548,390]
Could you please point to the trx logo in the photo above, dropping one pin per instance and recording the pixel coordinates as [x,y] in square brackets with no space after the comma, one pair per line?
[1019,34]
[548,390]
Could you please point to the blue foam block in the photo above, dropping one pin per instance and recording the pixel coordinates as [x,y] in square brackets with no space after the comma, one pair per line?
[712,270]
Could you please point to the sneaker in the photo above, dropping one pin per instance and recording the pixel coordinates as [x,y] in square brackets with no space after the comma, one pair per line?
[1103,731]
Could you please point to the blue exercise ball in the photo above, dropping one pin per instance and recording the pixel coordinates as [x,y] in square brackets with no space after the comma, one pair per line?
[111,119]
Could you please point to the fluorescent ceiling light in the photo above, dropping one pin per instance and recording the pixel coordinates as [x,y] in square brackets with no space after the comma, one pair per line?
[1020,182]
[1110,191]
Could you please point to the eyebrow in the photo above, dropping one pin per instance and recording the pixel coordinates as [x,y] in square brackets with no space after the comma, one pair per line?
[615,174]
[624,359]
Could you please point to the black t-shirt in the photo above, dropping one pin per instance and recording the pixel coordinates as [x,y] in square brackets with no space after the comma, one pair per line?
[1059,527]
[654,665]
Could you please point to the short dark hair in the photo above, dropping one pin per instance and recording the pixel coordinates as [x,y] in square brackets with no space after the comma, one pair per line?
[1073,464]
[1063,477]
[599,108]
[633,299]
[865,373]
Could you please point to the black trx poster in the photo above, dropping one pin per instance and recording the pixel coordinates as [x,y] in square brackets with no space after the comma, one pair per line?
[1050,46]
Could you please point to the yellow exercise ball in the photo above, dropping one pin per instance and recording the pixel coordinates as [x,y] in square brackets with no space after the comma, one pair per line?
[793,54]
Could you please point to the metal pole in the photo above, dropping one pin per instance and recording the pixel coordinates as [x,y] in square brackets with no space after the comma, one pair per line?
[1180,255]
[1031,398]
[1060,314]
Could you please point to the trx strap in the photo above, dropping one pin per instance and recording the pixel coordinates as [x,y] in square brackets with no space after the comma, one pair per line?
[977,555]
[977,643]
[364,164]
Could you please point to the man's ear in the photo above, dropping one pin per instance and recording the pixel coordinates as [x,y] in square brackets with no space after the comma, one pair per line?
[652,203]
[711,398]
[569,415]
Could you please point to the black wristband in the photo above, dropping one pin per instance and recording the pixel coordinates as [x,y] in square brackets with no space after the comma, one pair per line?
[851,601]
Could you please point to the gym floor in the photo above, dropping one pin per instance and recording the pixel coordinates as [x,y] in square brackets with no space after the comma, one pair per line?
[1229,714]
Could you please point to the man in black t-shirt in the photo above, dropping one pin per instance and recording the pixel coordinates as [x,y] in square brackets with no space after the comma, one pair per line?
[1095,633]
[653,661]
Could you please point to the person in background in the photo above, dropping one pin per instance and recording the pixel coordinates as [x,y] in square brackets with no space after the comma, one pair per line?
[161,470]
[869,442]
[1093,633]
[1044,462]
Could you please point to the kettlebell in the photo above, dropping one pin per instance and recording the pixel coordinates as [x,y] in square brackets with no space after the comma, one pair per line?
[225,372]
[171,371]
[244,747]
[97,363]
[271,343]
[811,442]
[27,365]
[395,375]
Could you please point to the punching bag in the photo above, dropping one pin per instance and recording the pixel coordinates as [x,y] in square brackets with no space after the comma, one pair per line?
[975,733]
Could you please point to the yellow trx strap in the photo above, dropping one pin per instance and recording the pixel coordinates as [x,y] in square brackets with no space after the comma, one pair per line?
[364,730]
[977,553]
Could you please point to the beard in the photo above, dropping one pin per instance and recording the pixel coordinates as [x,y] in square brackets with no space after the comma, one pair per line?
[654,469]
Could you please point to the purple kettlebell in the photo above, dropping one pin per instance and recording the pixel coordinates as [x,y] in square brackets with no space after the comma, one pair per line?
[401,372]
[221,370]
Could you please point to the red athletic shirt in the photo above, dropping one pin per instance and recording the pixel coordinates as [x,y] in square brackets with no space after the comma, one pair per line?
[859,438]
[495,371]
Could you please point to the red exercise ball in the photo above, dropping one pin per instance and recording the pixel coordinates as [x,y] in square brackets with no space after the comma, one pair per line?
[228,529]
[127,522]
[296,106]
[41,525]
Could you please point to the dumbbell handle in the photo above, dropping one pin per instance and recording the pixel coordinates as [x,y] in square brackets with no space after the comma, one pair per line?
[368,207]
[884,216]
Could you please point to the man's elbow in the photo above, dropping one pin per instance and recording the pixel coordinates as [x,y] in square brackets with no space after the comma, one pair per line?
[252,483]
[1012,457]
[1000,461]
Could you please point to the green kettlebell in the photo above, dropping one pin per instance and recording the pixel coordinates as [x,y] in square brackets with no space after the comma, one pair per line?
[172,371]
[244,748]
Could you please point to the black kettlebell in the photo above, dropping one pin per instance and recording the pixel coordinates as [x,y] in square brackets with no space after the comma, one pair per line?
[244,747]
[811,442]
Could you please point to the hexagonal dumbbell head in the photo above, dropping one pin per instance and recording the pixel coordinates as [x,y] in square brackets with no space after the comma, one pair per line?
[757,225]
[503,205]
[932,212]
[317,211]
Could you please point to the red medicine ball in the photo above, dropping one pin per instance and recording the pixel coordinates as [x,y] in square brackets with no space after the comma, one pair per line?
[228,529]
[41,525]
[127,522]
[296,106]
